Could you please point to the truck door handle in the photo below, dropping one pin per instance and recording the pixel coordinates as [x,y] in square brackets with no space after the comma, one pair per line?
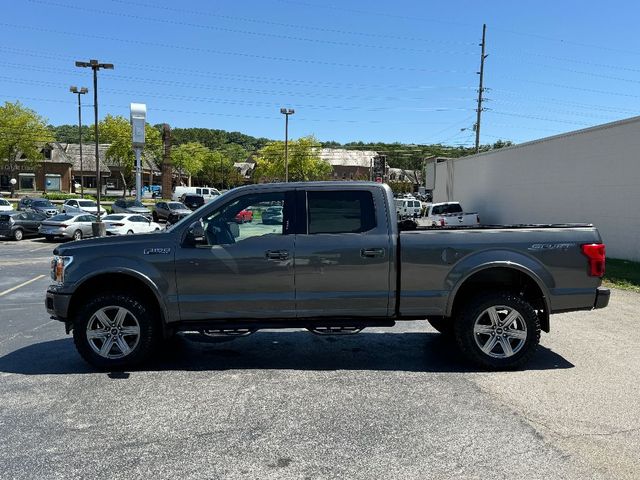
[372,252]
[276,254]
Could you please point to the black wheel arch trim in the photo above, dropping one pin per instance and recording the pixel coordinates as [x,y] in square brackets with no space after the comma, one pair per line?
[501,264]
[146,280]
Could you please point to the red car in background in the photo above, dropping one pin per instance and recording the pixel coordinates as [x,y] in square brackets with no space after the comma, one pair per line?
[244,216]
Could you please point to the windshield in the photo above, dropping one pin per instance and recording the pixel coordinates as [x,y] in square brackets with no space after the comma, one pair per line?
[41,203]
[449,208]
[113,217]
[134,203]
[86,203]
[177,206]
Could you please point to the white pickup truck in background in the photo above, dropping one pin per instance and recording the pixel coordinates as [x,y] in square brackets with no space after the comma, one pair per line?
[449,214]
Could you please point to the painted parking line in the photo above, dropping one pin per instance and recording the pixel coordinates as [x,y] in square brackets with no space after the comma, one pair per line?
[42,248]
[21,285]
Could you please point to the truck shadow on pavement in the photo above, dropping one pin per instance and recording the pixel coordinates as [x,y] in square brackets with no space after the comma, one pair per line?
[299,350]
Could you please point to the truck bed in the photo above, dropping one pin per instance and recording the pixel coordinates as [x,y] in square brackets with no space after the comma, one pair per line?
[435,261]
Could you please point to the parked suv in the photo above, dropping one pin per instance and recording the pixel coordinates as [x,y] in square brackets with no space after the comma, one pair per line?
[192,201]
[164,210]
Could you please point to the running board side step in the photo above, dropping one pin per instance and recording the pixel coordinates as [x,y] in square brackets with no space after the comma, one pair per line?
[335,330]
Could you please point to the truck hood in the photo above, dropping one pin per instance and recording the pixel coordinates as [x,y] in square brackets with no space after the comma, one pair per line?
[112,244]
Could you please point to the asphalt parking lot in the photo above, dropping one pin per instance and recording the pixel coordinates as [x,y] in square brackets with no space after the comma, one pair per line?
[387,403]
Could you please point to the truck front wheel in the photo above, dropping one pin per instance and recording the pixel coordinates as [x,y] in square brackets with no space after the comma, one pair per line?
[500,331]
[114,330]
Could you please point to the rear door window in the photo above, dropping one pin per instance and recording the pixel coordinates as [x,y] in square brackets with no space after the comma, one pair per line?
[340,212]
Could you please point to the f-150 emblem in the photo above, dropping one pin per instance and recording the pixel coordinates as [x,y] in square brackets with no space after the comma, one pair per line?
[157,251]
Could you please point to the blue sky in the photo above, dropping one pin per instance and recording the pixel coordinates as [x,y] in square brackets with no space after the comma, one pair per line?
[400,71]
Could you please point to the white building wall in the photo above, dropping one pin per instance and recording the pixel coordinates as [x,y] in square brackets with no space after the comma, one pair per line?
[590,176]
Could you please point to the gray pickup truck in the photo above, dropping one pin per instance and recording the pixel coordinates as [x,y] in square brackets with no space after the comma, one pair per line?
[336,263]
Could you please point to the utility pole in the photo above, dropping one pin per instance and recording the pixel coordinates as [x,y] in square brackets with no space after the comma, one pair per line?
[286,112]
[79,92]
[481,88]
[98,227]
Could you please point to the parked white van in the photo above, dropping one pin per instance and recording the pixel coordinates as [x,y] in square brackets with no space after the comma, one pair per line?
[408,208]
[207,192]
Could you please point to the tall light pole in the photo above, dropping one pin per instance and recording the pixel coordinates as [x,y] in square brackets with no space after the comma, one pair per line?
[286,112]
[80,91]
[99,230]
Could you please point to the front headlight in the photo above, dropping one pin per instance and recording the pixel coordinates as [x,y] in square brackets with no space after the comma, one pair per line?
[58,266]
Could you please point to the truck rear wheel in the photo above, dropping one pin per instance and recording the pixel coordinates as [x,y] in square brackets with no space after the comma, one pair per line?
[499,331]
[115,330]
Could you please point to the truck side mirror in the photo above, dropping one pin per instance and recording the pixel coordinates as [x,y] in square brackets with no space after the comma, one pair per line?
[195,233]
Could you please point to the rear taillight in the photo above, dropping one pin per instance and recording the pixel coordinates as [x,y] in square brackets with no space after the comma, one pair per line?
[595,252]
[442,222]
[117,224]
[63,226]
[478,219]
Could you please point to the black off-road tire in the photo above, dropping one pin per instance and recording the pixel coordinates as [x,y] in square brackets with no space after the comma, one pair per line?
[465,337]
[148,320]
[444,325]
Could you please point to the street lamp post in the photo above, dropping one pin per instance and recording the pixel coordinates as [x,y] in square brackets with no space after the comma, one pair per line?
[80,91]
[286,112]
[99,230]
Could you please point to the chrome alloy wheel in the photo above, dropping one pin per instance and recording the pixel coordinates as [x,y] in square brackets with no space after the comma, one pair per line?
[113,332]
[500,331]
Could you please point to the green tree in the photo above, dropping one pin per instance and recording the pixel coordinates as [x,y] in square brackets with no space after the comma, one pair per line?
[22,134]
[234,152]
[189,158]
[217,169]
[116,130]
[70,134]
[305,163]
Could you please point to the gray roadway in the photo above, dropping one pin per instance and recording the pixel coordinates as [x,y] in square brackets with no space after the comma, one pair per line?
[387,403]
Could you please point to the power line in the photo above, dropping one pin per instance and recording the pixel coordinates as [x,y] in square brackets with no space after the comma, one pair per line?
[263,117]
[535,117]
[305,27]
[571,87]
[434,20]
[243,32]
[557,101]
[198,99]
[231,76]
[191,85]
[228,53]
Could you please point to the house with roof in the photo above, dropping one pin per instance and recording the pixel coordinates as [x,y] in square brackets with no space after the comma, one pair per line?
[349,164]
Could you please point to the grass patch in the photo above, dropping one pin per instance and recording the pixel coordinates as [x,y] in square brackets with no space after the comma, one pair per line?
[623,274]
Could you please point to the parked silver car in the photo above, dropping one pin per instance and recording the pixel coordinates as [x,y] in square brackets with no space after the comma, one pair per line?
[67,225]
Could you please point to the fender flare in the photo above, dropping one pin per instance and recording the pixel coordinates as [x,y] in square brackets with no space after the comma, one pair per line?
[523,264]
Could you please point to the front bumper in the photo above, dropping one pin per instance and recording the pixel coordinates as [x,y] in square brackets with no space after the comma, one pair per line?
[57,304]
[602,297]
